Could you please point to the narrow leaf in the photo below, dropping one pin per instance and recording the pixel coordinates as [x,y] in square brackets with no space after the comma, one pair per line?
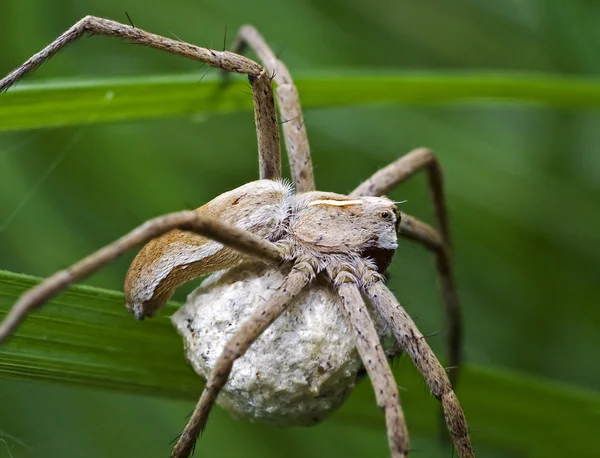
[62,103]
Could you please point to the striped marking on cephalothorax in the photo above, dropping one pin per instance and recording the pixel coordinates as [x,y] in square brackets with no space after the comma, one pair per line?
[336,203]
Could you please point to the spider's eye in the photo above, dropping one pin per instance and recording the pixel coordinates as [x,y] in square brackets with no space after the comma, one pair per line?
[385,215]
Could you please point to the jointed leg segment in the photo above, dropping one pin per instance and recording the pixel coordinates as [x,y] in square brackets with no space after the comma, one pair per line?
[267,128]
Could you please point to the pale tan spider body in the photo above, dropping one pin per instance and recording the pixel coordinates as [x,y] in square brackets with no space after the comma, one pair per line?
[324,255]
[304,365]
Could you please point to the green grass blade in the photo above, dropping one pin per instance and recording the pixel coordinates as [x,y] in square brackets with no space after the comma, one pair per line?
[85,336]
[62,103]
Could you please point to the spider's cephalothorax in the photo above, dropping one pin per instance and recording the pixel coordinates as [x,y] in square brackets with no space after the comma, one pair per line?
[296,299]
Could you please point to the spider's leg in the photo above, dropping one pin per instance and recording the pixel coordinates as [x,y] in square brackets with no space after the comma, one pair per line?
[371,352]
[301,274]
[294,130]
[205,225]
[416,346]
[260,80]
[267,129]
[384,181]
[392,354]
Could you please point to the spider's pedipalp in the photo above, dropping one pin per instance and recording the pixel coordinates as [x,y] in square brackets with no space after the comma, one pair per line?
[373,356]
[301,274]
[415,345]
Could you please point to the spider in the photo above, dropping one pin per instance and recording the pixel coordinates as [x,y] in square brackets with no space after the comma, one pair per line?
[308,263]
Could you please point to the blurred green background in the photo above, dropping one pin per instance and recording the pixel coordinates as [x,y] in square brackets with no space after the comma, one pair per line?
[522,180]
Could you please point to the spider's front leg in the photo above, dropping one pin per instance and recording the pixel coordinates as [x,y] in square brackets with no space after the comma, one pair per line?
[347,278]
[413,342]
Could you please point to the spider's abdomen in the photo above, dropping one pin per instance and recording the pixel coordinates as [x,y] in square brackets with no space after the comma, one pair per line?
[301,369]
